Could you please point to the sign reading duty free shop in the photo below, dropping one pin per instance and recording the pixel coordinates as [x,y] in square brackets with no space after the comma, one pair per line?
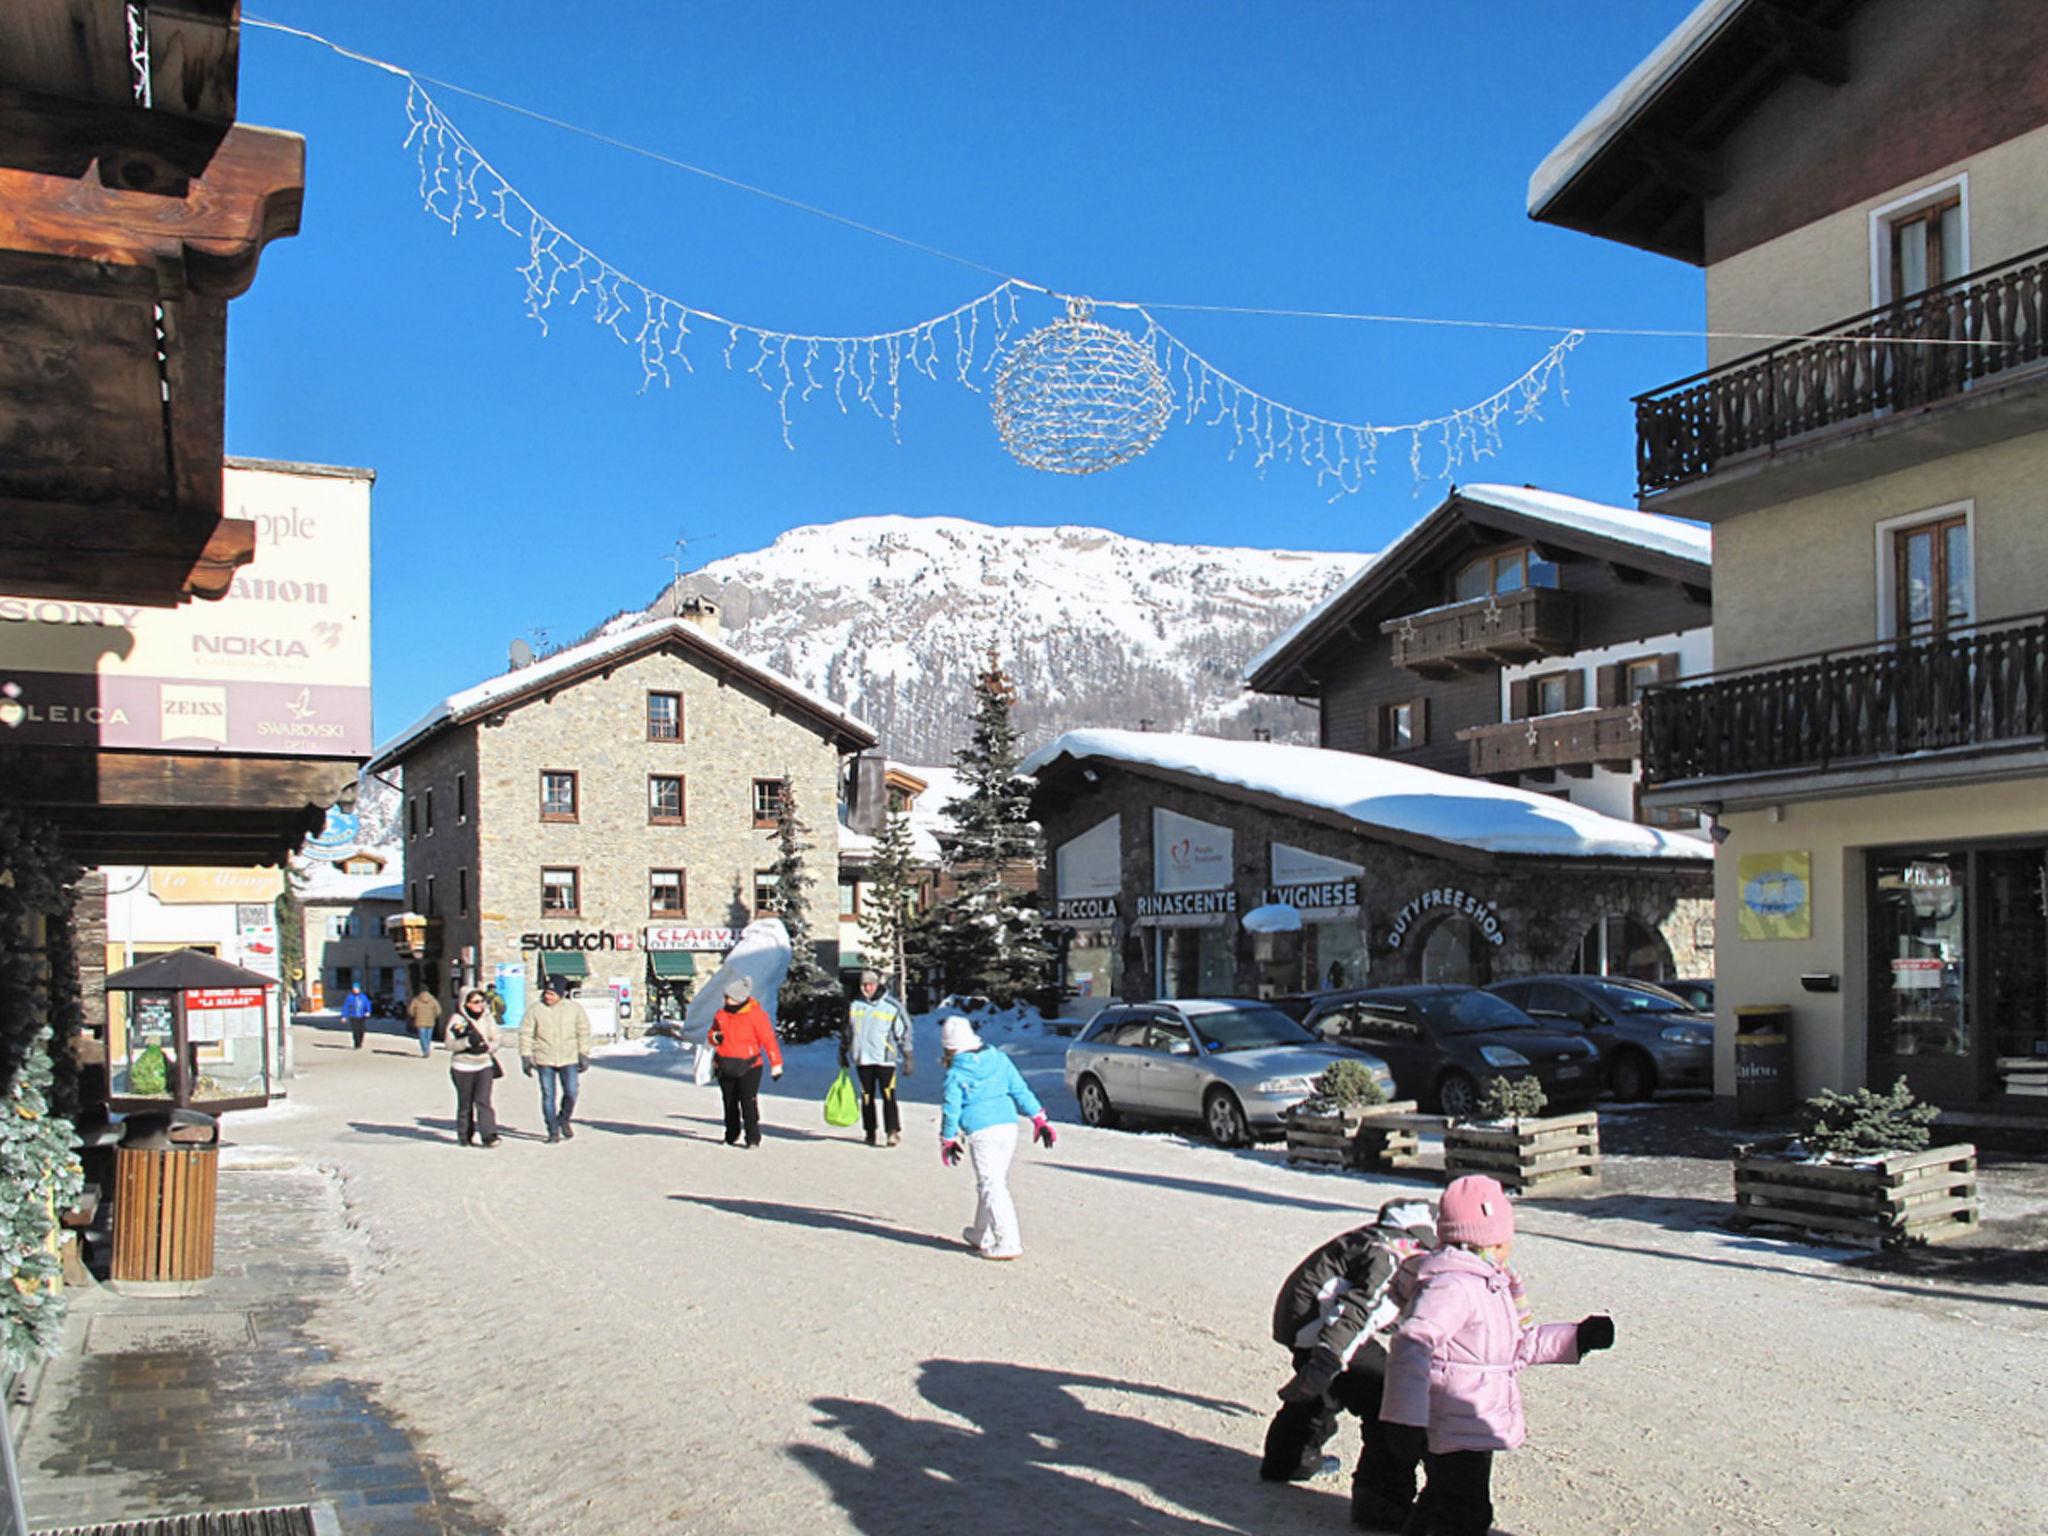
[280,666]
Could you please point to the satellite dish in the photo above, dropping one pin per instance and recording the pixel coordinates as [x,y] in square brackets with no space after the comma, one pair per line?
[522,655]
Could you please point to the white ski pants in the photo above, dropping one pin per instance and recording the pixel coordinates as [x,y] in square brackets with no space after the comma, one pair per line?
[995,1214]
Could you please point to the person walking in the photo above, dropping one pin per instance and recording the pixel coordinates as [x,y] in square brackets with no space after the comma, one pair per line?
[356,1009]
[1456,1354]
[554,1041]
[473,1065]
[877,1035]
[742,1038]
[424,1012]
[984,1095]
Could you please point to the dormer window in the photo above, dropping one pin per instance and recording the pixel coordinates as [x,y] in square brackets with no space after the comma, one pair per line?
[1507,570]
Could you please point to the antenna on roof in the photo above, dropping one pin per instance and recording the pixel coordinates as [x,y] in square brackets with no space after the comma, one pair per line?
[675,560]
[522,655]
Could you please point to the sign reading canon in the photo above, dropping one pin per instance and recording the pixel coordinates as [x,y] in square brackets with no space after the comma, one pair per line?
[1447,898]
[280,666]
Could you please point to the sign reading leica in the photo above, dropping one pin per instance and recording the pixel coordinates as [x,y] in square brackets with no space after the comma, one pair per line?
[280,666]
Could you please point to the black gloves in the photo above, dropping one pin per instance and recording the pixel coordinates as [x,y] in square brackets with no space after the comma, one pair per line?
[582,1063]
[1596,1333]
[1404,1442]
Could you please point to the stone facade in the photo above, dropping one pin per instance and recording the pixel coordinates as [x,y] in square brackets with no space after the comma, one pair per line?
[1542,908]
[486,844]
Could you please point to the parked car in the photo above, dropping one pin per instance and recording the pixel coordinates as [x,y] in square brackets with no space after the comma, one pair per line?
[1648,1038]
[1698,992]
[1446,1043]
[1233,1064]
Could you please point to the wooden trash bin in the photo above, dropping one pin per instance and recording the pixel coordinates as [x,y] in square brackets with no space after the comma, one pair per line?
[164,1202]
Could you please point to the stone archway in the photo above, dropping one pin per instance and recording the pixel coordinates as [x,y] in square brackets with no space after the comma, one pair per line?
[1451,949]
[1623,945]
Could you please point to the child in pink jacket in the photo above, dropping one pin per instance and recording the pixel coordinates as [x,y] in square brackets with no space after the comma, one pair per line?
[1456,1352]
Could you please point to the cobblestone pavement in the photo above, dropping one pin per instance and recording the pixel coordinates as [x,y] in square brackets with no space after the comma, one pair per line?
[224,1401]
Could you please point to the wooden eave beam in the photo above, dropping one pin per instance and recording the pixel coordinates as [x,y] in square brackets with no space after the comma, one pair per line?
[1817,52]
[1695,172]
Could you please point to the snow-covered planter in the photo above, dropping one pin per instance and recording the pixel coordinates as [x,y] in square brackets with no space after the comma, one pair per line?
[1529,1154]
[1355,1136]
[1886,1200]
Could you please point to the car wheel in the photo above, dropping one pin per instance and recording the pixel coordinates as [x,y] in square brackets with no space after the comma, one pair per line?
[1095,1106]
[1457,1096]
[1632,1077]
[1224,1117]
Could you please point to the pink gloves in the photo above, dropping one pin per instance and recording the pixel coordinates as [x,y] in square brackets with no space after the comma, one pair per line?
[1043,1133]
[949,1152]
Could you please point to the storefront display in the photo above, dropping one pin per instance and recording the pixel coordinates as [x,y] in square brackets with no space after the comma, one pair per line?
[1197,962]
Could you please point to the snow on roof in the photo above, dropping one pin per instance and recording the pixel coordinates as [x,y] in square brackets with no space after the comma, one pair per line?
[323,882]
[621,643]
[927,815]
[1380,794]
[1650,531]
[1620,106]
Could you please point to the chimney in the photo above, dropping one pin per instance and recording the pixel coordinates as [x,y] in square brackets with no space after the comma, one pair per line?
[701,611]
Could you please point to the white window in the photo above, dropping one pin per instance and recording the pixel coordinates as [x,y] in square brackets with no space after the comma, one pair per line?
[1926,572]
[1920,241]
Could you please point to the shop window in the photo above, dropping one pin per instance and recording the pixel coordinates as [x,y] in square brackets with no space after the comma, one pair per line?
[1091,965]
[2013,883]
[1196,962]
[557,796]
[1454,952]
[665,892]
[561,892]
[1919,992]
[767,802]
[767,900]
[664,717]
[1509,570]
[1622,946]
[1334,957]
[665,799]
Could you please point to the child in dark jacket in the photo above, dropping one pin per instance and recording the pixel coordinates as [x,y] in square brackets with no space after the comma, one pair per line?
[1331,1314]
[1455,1355]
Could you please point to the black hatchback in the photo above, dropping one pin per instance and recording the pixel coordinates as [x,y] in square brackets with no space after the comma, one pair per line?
[1444,1044]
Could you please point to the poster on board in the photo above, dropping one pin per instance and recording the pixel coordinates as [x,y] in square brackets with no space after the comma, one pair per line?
[1775,895]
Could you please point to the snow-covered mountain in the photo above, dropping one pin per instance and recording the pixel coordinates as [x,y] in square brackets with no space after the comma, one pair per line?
[892,617]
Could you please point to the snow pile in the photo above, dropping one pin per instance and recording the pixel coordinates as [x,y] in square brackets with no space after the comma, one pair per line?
[1382,795]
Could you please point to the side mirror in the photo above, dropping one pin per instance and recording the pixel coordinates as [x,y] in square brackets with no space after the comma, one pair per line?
[1180,1048]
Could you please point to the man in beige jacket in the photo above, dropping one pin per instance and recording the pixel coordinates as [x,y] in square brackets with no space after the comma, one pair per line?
[554,1039]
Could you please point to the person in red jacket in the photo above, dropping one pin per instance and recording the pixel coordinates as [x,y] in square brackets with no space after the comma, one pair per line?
[741,1036]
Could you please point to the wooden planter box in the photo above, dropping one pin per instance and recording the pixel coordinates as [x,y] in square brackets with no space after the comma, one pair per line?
[1548,1155]
[1908,1197]
[1359,1138]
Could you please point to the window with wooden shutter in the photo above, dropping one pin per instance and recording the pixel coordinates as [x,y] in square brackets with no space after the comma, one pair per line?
[1521,700]
[1607,685]
[1667,667]
[1575,688]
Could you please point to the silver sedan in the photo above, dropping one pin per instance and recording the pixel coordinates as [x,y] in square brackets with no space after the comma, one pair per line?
[1232,1064]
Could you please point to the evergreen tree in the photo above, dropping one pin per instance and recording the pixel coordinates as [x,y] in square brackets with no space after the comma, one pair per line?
[807,980]
[986,937]
[886,914]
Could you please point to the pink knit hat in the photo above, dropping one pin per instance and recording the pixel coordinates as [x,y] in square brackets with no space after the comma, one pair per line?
[1475,1210]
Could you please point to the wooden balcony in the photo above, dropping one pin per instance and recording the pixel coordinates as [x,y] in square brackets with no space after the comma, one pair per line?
[1574,743]
[1485,632]
[1935,347]
[1967,693]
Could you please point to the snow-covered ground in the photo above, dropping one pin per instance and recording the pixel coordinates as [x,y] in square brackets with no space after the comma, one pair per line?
[646,1330]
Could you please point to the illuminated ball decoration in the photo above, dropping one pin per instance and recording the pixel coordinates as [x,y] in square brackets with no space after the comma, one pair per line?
[1077,396]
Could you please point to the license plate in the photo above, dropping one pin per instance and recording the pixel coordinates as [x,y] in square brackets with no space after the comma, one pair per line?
[1564,1072]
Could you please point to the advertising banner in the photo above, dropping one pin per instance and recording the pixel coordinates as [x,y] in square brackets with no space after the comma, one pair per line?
[1297,866]
[1189,855]
[178,885]
[1091,864]
[281,666]
[1775,895]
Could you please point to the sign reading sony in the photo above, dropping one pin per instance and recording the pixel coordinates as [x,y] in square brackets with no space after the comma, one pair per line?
[1448,898]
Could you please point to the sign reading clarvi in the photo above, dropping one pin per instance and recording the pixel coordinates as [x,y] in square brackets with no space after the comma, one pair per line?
[1448,898]
[1187,903]
[1084,909]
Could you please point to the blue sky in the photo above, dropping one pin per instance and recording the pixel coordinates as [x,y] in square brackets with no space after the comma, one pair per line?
[1311,154]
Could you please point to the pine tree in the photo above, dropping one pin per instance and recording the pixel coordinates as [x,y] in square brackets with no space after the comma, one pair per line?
[986,938]
[886,914]
[807,981]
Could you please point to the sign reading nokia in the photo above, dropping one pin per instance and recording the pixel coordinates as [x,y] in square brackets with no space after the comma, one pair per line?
[1448,899]
[1315,896]
[581,940]
[1187,903]
[1084,909]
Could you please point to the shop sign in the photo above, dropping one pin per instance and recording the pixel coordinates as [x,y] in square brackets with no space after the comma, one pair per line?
[580,939]
[1297,866]
[175,885]
[1449,899]
[1318,896]
[1091,864]
[691,938]
[1776,895]
[1188,855]
[1085,909]
[1919,973]
[1187,904]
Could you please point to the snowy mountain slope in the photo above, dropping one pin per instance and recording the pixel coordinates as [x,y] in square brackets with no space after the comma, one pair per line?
[891,617]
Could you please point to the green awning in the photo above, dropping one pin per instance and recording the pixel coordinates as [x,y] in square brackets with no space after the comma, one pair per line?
[671,964]
[569,964]
[850,959]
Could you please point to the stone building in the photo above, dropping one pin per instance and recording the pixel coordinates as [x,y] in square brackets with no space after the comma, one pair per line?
[607,815]
[343,904]
[1192,866]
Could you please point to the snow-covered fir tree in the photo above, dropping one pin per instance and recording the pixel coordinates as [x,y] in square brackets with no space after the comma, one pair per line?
[807,980]
[986,937]
[891,889]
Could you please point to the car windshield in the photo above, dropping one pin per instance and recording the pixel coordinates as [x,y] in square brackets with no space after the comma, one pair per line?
[1247,1029]
[1470,1012]
[1638,997]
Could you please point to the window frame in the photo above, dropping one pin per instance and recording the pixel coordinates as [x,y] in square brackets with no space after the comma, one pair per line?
[1915,205]
[682,815]
[462,892]
[412,817]
[764,879]
[1889,616]
[462,799]
[1520,556]
[1417,735]
[575,874]
[433,901]
[768,822]
[681,910]
[575,813]
[1562,676]
[664,693]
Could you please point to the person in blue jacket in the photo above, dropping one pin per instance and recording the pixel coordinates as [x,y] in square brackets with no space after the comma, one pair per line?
[984,1096]
[356,1009]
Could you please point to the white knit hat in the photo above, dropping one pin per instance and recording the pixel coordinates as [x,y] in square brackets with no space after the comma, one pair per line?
[957,1035]
[738,990]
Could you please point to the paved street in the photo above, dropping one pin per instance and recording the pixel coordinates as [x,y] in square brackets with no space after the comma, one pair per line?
[645,1330]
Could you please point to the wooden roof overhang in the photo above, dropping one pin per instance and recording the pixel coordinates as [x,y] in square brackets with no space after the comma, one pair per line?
[125,230]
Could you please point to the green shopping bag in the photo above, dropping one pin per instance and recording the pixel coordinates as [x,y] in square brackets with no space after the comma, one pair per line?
[842,1100]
